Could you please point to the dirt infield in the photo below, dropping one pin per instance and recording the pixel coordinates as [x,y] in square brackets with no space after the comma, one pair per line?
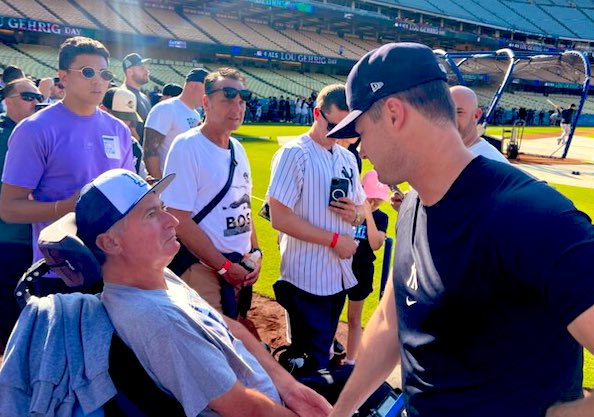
[269,318]
[543,160]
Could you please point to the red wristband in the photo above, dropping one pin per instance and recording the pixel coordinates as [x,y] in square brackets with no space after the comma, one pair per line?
[334,240]
[223,269]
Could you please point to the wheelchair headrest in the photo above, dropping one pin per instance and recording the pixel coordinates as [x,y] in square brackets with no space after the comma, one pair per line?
[67,255]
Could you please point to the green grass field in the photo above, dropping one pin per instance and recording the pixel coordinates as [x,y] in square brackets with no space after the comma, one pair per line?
[260,153]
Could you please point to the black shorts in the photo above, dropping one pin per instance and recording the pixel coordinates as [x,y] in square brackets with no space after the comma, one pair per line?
[364,285]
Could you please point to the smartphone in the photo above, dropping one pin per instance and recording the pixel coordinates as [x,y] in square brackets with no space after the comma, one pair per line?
[339,187]
[265,211]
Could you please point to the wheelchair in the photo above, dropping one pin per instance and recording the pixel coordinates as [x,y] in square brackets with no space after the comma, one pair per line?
[67,256]
[137,394]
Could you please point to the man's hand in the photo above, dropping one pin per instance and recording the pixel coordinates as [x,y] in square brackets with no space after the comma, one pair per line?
[236,275]
[346,246]
[345,208]
[305,402]
[252,277]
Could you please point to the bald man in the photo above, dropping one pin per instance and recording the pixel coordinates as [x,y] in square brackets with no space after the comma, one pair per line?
[468,114]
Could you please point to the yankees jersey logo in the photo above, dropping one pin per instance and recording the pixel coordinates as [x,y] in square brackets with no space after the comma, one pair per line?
[412,281]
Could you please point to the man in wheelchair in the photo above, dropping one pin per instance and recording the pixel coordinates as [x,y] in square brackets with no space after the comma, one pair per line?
[210,364]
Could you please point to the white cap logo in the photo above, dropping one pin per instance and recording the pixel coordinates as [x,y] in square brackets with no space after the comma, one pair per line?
[376,86]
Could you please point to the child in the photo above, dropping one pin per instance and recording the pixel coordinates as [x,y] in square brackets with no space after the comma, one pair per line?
[370,235]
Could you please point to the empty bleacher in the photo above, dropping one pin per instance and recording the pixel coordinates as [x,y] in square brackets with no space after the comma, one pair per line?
[141,20]
[106,16]
[335,43]
[8,10]
[276,39]
[481,13]
[221,33]
[32,10]
[572,18]
[553,18]
[532,100]
[69,13]
[179,26]
[29,65]
[454,9]
[420,4]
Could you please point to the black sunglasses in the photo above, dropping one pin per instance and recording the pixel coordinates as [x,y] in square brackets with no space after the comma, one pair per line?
[231,93]
[329,123]
[29,96]
[89,73]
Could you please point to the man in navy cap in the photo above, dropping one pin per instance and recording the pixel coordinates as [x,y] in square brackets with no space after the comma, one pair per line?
[485,324]
[136,74]
[171,90]
[171,117]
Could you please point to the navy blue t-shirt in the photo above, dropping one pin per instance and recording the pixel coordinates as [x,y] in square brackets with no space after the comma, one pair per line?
[486,282]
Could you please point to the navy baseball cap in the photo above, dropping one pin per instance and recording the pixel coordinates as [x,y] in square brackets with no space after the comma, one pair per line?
[389,69]
[172,90]
[133,60]
[108,199]
[197,75]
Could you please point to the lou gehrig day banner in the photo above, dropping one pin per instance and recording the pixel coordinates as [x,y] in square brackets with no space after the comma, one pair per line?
[30,25]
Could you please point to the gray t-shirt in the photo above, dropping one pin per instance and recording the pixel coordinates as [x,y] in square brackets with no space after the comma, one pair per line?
[183,344]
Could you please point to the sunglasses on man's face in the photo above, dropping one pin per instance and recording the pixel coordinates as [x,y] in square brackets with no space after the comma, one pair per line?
[231,93]
[328,122]
[29,96]
[89,73]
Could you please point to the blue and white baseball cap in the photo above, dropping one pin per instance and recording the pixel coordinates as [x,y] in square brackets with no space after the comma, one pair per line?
[108,199]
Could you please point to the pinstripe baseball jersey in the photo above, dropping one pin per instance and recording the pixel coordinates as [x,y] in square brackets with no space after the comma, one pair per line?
[301,174]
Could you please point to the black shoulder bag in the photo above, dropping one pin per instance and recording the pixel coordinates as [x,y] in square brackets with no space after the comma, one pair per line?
[184,258]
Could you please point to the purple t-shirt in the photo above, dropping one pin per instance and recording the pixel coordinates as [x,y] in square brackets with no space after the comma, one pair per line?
[56,152]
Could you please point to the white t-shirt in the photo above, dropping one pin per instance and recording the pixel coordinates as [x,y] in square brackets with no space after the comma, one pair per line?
[202,170]
[484,148]
[301,174]
[170,118]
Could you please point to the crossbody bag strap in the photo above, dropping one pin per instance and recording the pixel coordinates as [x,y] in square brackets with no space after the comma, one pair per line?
[217,198]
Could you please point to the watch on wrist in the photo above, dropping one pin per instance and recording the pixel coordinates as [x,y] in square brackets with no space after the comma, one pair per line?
[257,250]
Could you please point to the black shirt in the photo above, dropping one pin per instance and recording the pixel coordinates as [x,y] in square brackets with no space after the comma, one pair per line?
[364,256]
[567,115]
[486,282]
[10,232]
[143,106]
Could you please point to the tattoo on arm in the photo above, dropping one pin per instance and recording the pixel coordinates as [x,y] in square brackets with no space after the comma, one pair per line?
[152,142]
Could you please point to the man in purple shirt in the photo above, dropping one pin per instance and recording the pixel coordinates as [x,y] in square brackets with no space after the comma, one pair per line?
[52,154]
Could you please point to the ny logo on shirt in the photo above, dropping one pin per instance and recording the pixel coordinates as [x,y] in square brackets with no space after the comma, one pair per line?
[412,282]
